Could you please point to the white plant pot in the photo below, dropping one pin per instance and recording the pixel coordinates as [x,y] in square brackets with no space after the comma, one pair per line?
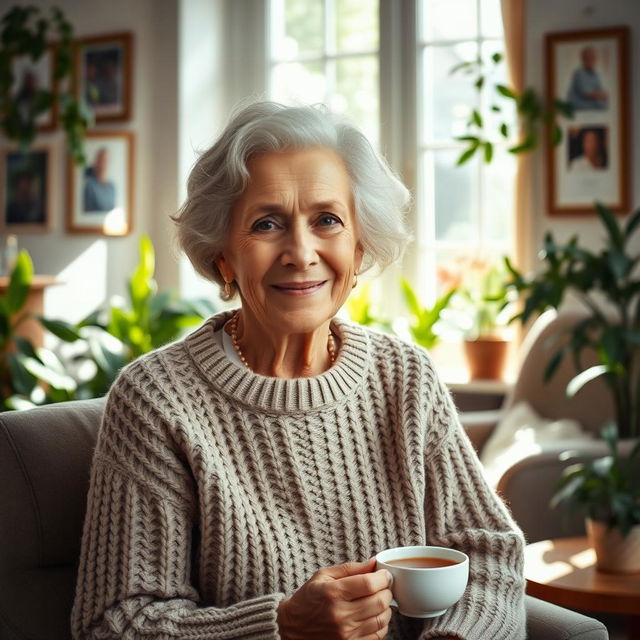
[614,553]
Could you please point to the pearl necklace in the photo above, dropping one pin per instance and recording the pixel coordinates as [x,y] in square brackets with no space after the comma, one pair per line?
[331,344]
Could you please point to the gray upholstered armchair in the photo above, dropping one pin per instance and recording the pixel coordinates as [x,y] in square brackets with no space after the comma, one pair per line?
[527,486]
[45,456]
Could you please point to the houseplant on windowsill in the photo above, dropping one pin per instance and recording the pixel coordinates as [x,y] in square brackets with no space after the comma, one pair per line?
[607,284]
[480,309]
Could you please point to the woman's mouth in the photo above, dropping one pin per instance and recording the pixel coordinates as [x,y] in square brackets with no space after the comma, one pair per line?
[299,288]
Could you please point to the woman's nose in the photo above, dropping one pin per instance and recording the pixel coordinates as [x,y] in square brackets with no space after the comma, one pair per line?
[300,249]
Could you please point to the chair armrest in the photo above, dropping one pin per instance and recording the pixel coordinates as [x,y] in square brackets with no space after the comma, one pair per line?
[479,425]
[528,486]
[546,621]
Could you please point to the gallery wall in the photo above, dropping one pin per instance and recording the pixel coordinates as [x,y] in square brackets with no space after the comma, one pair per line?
[92,267]
[545,16]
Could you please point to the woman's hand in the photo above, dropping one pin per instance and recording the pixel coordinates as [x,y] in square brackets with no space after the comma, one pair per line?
[343,602]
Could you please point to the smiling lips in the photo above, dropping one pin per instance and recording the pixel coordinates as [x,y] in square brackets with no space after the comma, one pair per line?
[299,288]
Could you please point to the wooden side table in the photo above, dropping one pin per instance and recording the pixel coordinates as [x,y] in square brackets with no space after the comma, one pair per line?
[31,329]
[563,571]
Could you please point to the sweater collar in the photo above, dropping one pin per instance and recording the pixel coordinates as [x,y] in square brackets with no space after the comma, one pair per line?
[281,395]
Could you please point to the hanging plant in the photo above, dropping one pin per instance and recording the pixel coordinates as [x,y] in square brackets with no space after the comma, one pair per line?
[28,31]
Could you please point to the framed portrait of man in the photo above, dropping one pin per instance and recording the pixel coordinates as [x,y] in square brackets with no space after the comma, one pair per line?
[26,190]
[590,71]
[101,192]
[103,67]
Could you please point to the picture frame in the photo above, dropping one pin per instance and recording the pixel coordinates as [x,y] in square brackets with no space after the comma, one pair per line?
[101,194]
[102,75]
[590,71]
[30,76]
[25,190]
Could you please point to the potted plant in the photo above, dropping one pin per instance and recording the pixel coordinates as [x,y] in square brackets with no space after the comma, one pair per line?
[607,490]
[480,310]
[606,284]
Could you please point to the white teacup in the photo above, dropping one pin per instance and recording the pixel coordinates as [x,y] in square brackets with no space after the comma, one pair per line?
[421,592]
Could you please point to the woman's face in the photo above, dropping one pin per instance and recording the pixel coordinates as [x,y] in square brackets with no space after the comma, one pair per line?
[293,246]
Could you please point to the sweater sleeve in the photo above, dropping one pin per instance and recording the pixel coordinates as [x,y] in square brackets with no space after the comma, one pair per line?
[462,511]
[135,572]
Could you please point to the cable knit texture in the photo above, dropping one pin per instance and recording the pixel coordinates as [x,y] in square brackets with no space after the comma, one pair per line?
[215,492]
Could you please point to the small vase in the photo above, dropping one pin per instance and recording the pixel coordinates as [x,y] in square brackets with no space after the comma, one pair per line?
[486,357]
[615,554]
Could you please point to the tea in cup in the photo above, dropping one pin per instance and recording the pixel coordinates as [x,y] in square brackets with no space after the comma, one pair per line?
[426,580]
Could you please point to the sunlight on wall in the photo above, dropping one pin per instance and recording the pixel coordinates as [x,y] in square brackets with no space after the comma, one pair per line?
[72,300]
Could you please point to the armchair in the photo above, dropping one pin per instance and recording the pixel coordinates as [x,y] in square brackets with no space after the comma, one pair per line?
[45,457]
[527,485]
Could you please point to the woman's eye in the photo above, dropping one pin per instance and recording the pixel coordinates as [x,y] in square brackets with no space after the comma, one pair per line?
[264,225]
[329,220]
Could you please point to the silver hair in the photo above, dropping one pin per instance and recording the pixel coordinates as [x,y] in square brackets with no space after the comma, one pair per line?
[220,176]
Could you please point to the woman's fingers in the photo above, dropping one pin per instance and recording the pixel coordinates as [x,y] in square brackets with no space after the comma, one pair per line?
[377,627]
[360,586]
[371,606]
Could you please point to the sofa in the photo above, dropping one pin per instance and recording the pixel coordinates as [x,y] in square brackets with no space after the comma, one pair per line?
[45,458]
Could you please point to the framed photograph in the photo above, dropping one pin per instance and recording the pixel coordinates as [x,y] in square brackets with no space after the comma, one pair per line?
[29,77]
[101,193]
[26,190]
[103,75]
[590,71]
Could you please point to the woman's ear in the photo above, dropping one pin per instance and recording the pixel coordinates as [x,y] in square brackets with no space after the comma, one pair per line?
[224,268]
[358,255]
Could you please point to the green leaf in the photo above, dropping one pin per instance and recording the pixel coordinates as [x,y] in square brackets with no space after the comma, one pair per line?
[632,224]
[503,90]
[23,381]
[141,285]
[51,377]
[496,57]
[504,130]
[488,152]
[61,329]
[25,347]
[476,118]
[616,236]
[576,383]
[466,155]
[526,145]
[479,83]
[19,283]
[410,298]
[556,136]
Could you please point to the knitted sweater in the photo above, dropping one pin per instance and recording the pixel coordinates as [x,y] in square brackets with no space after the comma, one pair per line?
[215,492]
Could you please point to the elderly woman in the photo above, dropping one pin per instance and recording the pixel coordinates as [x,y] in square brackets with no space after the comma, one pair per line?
[246,475]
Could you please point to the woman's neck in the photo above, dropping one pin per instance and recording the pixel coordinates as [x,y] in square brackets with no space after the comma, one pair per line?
[278,354]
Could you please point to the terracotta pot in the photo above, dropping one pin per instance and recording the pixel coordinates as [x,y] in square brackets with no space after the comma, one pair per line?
[486,357]
[614,553]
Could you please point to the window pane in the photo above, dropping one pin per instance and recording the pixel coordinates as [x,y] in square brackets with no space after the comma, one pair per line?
[357,93]
[448,99]
[448,19]
[356,25]
[456,198]
[298,28]
[491,19]
[499,181]
[298,82]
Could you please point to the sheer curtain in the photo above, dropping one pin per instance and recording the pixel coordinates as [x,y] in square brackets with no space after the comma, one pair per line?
[513,17]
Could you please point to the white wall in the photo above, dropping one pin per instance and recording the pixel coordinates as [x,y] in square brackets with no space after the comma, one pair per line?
[93,267]
[544,16]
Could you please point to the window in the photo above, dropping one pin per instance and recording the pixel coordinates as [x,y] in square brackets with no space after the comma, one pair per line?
[464,209]
[330,51]
[327,51]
